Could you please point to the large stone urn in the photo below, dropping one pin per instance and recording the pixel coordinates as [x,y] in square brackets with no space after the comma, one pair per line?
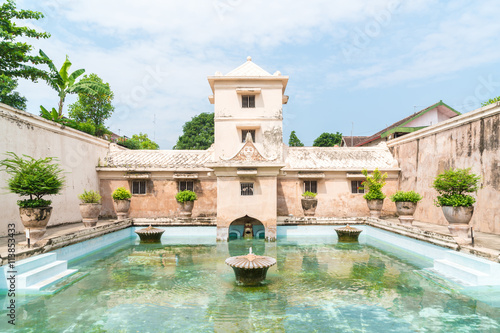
[309,206]
[250,270]
[36,220]
[375,207]
[405,210]
[458,219]
[90,213]
[186,208]
[121,208]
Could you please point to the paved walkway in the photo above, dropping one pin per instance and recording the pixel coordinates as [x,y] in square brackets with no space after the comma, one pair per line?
[483,240]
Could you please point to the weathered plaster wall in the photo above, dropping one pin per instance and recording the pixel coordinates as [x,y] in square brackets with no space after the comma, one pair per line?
[159,201]
[266,118]
[334,196]
[261,205]
[77,152]
[471,141]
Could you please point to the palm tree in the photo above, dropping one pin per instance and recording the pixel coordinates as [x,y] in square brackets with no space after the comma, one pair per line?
[65,83]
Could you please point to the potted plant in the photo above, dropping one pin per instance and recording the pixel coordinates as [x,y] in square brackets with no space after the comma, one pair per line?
[121,200]
[90,207]
[406,204]
[186,200]
[309,203]
[34,178]
[374,197]
[453,187]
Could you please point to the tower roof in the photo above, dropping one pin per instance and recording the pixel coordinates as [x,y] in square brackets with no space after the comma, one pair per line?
[248,70]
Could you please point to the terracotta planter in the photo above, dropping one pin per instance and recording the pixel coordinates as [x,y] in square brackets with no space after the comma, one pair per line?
[458,219]
[375,207]
[186,208]
[90,214]
[121,208]
[309,206]
[36,220]
[405,210]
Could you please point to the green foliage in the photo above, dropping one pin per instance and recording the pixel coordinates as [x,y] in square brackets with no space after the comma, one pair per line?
[185,195]
[8,95]
[198,133]
[308,194]
[65,83]
[121,193]
[328,140]
[86,127]
[33,203]
[455,200]
[410,196]
[14,54]
[33,177]
[453,186]
[294,141]
[90,197]
[374,184]
[138,141]
[93,109]
[491,101]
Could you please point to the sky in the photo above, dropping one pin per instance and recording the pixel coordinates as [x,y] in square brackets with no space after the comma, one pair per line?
[354,66]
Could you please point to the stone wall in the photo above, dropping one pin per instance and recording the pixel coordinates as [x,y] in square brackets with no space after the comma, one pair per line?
[159,201]
[77,152]
[334,196]
[471,140]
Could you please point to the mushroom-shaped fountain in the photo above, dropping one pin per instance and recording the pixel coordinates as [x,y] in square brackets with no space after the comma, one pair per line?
[250,269]
[348,234]
[150,234]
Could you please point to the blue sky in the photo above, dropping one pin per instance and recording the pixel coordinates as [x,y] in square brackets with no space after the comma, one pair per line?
[353,65]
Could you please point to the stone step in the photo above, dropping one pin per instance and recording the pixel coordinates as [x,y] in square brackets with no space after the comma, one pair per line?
[26,265]
[479,264]
[34,276]
[42,285]
[465,275]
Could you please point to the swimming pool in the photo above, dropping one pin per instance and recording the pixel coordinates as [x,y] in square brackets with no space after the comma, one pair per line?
[317,285]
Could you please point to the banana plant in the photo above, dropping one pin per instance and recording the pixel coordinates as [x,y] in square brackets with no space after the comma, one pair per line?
[65,83]
[54,115]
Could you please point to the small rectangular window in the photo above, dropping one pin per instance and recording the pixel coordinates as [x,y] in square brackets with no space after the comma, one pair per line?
[311,186]
[246,188]
[248,101]
[244,135]
[186,185]
[139,187]
[356,186]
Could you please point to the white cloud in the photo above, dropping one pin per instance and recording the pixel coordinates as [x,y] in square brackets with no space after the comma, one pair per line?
[126,42]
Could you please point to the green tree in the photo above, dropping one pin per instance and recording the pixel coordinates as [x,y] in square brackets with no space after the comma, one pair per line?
[15,58]
[65,83]
[139,141]
[294,140]
[93,108]
[328,140]
[198,133]
[8,95]
[491,101]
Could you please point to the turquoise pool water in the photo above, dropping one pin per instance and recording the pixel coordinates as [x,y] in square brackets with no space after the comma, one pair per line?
[316,286]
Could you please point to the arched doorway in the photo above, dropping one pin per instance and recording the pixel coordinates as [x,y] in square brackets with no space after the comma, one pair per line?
[246,227]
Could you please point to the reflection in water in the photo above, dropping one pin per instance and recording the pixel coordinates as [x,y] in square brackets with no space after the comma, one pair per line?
[320,286]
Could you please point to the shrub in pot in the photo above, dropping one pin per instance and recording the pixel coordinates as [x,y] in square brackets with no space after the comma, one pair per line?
[186,200]
[309,203]
[121,200]
[33,178]
[406,203]
[90,208]
[453,187]
[374,197]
